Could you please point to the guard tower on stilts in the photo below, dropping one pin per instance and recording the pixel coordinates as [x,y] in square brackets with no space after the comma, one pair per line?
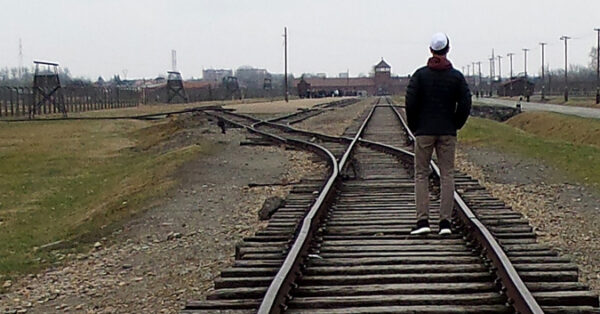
[175,88]
[232,87]
[267,86]
[46,90]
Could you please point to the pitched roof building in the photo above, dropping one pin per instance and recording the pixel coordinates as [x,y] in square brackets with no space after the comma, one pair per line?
[381,83]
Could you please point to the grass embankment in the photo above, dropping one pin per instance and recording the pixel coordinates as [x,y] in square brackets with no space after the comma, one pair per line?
[568,143]
[74,181]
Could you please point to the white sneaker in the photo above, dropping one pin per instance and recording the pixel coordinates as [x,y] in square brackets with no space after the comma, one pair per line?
[445,231]
[421,228]
[445,227]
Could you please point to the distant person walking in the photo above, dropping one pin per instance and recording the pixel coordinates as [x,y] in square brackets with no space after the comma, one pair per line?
[438,102]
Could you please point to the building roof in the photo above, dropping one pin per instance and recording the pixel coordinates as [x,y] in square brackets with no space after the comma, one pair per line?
[316,82]
[382,64]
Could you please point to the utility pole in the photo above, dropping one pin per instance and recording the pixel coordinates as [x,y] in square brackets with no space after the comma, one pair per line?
[479,66]
[500,68]
[285,78]
[525,64]
[491,80]
[20,70]
[543,78]
[510,55]
[526,86]
[565,38]
[598,67]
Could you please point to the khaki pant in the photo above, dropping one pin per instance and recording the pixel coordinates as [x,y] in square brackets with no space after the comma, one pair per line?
[445,146]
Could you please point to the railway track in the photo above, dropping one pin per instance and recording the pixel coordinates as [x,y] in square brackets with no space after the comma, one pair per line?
[347,249]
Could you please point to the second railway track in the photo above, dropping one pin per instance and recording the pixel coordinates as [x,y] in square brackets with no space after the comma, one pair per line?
[352,252]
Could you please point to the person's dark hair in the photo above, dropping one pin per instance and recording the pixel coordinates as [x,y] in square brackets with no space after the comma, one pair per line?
[442,52]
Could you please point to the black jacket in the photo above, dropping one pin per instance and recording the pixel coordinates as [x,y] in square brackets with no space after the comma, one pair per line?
[438,100]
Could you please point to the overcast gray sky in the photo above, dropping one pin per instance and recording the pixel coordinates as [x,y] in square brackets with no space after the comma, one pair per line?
[95,38]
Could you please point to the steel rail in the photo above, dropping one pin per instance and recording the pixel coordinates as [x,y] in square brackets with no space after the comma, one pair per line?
[519,295]
[287,128]
[274,300]
[516,290]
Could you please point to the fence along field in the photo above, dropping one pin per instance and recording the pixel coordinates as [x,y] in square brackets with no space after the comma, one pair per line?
[18,101]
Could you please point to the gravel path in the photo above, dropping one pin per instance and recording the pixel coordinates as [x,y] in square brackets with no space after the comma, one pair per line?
[279,106]
[564,214]
[335,122]
[532,106]
[174,251]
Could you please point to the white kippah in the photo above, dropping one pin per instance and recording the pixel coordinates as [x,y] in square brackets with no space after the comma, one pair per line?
[439,41]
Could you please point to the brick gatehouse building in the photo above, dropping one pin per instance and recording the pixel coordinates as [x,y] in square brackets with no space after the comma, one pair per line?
[381,83]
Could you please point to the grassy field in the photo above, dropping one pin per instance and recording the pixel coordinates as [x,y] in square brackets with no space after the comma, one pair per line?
[552,138]
[74,181]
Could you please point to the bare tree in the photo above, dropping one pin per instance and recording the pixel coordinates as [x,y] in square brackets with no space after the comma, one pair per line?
[593,58]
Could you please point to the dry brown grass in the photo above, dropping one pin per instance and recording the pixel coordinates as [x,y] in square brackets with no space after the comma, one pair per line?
[72,181]
[279,106]
[558,126]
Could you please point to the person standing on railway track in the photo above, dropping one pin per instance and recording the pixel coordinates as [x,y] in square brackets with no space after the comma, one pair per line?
[438,103]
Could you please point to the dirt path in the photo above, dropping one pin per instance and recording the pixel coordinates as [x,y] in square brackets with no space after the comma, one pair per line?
[532,106]
[565,215]
[172,252]
[335,122]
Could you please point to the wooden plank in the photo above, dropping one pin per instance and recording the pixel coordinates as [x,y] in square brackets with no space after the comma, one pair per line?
[570,310]
[567,298]
[222,304]
[397,278]
[556,286]
[485,298]
[383,289]
[416,309]
[392,269]
[394,260]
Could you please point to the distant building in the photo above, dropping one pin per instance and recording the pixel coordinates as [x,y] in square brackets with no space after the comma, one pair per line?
[343,75]
[382,83]
[215,75]
[516,86]
[252,77]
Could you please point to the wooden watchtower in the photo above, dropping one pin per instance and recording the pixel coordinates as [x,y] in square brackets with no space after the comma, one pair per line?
[46,90]
[232,87]
[175,88]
